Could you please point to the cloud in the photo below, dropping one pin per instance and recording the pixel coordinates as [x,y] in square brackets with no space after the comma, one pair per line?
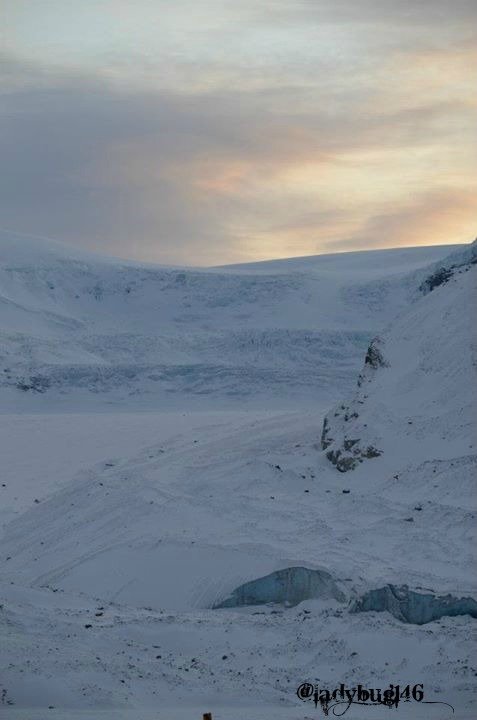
[443,216]
[280,163]
[375,12]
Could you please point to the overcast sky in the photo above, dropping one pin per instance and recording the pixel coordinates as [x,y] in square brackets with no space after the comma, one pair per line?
[213,131]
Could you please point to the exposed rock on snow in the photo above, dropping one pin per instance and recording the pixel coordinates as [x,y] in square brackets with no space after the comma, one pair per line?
[412,607]
[289,587]
[456,262]
[345,461]
[374,355]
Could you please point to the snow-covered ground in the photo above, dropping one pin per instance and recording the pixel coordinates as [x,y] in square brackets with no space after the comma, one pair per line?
[160,444]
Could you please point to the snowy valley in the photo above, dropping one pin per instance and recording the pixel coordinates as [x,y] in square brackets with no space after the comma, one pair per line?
[220,483]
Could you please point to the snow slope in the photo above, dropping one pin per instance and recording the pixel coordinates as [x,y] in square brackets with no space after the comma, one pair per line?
[76,328]
[417,394]
[109,580]
[151,541]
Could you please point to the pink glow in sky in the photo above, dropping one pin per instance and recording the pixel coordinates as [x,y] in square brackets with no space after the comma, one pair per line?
[206,132]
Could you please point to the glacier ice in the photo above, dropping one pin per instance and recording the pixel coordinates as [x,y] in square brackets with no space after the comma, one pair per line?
[289,586]
[413,607]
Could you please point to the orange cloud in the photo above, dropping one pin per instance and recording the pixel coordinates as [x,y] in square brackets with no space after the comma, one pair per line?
[444,216]
[423,76]
[222,178]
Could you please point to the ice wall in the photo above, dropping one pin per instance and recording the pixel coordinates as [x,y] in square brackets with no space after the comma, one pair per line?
[412,607]
[289,586]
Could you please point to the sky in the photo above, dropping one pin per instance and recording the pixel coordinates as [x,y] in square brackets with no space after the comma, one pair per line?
[205,132]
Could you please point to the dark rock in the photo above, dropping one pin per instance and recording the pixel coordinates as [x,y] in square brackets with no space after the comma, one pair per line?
[36,383]
[371,452]
[439,277]
[326,440]
[374,356]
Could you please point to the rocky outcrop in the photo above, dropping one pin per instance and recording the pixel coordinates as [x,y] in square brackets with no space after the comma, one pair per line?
[439,277]
[345,460]
[374,355]
[289,587]
[342,432]
[457,263]
[412,607]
